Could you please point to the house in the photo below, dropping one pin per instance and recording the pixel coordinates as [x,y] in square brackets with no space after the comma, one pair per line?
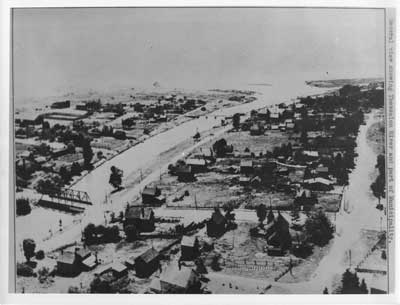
[189,247]
[152,196]
[274,127]
[197,165]
[282,127]
[278,235]
[246,167]
[256,130]
[312,154]
[322,171]
[147,263]
[208,154]
[216,226]
[141,217]
[274,117]
[244,181]
[179,280]
[305,198]
[67,265]
[59,151]
[255,181]
[185,173]
[290,125]
[115,270]
[284,171]
[319,184]
[118,269]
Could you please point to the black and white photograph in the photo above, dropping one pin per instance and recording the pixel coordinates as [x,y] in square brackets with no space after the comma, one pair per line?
[201,150]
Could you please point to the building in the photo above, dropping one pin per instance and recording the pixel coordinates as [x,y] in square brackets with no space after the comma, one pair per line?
[318,184]
[246,167]
[185,173]
[256,130]
[179,280]
[189,247]
[305,199]
[67,265]
[147,263]
[116,270]
[152,196]
[244,181]
[216,226]
[322,171]
[141,217]
[278,235]
[197,165]
[60,105]
[29,118]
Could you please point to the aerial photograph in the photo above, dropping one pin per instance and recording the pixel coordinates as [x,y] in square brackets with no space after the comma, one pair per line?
[199,150]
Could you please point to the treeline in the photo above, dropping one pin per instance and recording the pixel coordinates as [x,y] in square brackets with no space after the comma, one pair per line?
[378,186]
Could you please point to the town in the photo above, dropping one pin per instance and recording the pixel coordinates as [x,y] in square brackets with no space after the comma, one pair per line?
[252,209]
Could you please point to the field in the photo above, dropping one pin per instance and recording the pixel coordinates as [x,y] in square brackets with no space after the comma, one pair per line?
[258,144]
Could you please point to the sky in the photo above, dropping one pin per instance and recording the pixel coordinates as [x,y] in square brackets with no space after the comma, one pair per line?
[58,50]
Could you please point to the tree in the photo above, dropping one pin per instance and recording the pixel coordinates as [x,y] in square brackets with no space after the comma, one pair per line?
[200,267]
[295,214]
[115,177]
[87,153]
[215,263]
[65,174]
[219,147]
[89,233]
[131,232]
[111,234]
[363,287]
[23,207]
[99,285]
[236,121]
[303,137]
[261,211]
[71,147]
[318,228]
[325,291]
[75,169]
[29,246]
[51,184]
[23,269]
[351,284]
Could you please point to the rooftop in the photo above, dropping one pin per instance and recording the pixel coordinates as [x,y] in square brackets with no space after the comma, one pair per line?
[148,256]
[180,278]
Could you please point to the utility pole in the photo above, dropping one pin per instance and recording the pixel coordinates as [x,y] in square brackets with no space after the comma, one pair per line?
[349,258]
[195,201]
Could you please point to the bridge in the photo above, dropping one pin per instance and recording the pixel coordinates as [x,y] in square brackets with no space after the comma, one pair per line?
[67,200]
